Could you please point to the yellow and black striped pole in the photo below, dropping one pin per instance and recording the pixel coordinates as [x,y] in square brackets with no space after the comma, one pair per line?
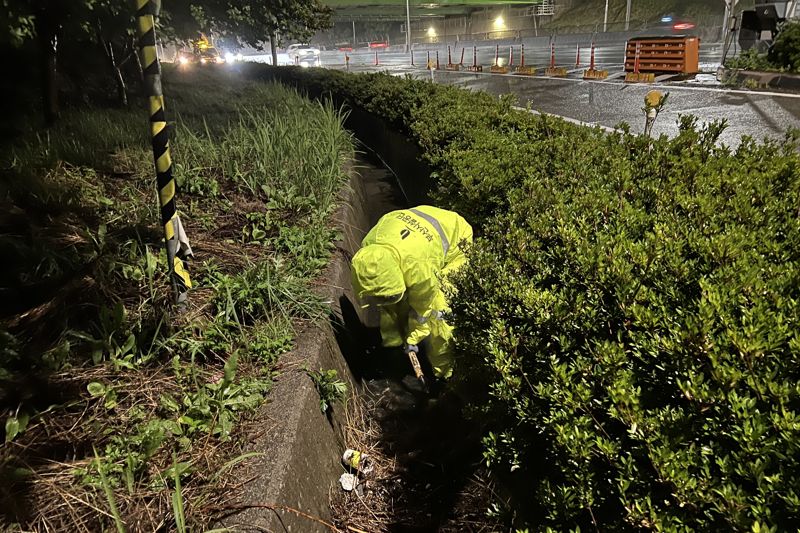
[177,244]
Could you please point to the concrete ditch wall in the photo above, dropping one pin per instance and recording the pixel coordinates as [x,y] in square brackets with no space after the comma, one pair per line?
[301,446]
[760,80]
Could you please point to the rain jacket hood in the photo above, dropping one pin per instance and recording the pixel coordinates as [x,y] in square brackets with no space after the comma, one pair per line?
[410,254]
[376,272]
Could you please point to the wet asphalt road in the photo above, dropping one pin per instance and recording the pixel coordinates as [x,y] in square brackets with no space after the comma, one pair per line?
[607,103]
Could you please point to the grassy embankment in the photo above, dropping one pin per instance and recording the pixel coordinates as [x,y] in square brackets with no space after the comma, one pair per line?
[118,411]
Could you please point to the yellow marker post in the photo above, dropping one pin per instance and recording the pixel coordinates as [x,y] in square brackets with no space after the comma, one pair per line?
[177,244]
[653,104]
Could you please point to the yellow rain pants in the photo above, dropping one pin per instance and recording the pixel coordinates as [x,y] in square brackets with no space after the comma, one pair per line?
[402,267]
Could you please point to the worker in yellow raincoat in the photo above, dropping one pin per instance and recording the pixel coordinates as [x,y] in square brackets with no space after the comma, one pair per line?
[402,267]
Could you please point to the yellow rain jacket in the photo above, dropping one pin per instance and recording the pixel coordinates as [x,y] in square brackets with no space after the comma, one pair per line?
[403,263]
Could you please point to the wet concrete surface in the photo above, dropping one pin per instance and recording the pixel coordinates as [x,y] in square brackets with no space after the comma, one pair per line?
[574,54]
[608,103]
[747,113]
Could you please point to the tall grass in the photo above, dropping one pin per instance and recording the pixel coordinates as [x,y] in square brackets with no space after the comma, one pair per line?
[85,137]
[245,140]
[286,154]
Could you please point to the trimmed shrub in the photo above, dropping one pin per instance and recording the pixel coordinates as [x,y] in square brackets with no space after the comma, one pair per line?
[638,330]
[785,51]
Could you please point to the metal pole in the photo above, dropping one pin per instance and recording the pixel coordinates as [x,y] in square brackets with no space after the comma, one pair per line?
[729,28]
[408,26]
[354,34]
[605,19]
[628,16]
[175,239]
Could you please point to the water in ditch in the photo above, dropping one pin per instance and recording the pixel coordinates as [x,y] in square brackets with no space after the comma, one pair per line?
[426,453]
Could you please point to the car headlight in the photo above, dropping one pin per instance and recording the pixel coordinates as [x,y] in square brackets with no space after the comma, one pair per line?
[203,60]
[220,59]
[183,60]
[230,58]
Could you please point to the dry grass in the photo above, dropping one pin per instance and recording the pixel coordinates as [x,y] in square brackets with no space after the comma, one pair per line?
[395,497]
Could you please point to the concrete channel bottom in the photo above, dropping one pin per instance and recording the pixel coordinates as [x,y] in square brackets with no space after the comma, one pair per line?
[300,461]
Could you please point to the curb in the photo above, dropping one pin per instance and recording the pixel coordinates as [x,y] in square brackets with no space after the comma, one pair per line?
[301,447]
[772,80]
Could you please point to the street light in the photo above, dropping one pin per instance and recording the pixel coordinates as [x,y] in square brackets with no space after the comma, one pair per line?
[628,16]
[408,27]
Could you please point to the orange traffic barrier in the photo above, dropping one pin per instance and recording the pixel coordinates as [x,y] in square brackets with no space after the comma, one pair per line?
[663,55]
[523,69]
[553,71]
[450,65]
[475,66]
[592,73]
[496,68]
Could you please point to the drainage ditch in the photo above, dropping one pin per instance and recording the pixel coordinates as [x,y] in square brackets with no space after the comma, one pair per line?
[425,453]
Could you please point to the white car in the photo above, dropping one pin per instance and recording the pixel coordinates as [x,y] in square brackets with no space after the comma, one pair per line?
[304,55]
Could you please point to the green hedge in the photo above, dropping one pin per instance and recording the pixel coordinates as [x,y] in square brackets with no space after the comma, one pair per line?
[631,309]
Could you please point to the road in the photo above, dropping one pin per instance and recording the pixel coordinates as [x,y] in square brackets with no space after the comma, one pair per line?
[607,103]
[609,55]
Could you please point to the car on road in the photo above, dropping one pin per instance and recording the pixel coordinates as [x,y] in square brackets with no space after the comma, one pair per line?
[303,54]
[674,24]
[202,56]
[210,55]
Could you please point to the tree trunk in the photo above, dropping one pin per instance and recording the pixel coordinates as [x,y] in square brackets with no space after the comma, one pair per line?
[135,48]
[122,90]
[273,47]
[47,31]
[108,49]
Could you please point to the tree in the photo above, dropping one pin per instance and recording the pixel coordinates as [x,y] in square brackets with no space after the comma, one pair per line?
[110,22]
[107,23]
[252,22]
